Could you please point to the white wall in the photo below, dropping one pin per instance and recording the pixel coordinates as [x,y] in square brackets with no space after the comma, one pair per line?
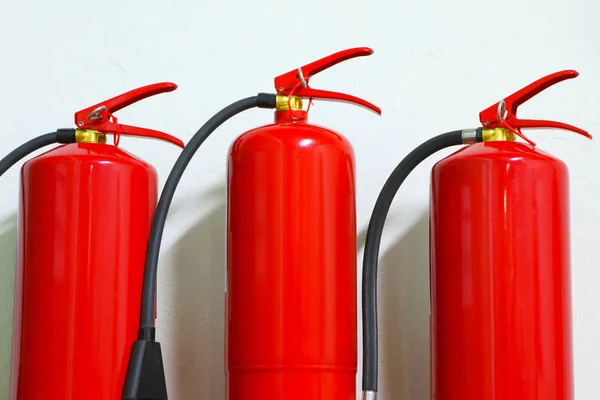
[436,65]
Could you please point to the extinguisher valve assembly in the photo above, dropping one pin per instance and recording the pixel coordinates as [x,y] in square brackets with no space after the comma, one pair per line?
[97,120]
[499,123]
[295,82]
[145,364]
[503,114]
[93,123]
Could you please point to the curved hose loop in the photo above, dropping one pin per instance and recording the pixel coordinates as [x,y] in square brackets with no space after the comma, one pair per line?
[145,376]
[148,308]
[373,242]
[60,136]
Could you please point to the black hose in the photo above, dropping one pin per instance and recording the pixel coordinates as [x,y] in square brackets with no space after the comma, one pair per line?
[60,136]
[147,330]
[373,241]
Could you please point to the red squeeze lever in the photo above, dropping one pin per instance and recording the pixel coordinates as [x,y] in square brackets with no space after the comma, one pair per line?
[504,113]
[295,82]
[100,116]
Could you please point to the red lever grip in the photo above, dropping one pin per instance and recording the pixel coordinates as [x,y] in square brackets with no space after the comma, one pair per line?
[540,124]
[504,113]
[295,82]
[100,116]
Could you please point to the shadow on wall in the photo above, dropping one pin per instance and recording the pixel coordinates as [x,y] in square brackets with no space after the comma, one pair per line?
[199,286]
[8,241]
[404,316]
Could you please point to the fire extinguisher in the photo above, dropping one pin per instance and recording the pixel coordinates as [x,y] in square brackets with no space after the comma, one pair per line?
[84,217]
[291,253]
[499,261]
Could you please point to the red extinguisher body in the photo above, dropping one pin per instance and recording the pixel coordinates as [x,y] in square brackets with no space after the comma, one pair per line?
[291,271]
[84,220]
[500,275]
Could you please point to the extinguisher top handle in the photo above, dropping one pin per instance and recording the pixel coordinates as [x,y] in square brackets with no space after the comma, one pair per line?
[503,114]
[295,82]
[100,116]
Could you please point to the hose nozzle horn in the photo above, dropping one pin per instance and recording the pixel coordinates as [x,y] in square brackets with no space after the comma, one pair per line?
[296,81]
[100,117]
[504,113]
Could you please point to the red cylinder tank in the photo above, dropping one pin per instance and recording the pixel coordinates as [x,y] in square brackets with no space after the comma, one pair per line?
[84,220]
[500,275]
[291,270]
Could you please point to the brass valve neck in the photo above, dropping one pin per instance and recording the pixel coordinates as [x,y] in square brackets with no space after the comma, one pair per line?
[283,103]
[498,135]
[89,136]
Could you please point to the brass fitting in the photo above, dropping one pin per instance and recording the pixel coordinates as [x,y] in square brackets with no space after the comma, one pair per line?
[89,136]
[283,102]
[498,134]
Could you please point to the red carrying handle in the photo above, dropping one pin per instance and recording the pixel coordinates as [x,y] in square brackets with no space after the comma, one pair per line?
[100,116]
[503,114]
[296,81]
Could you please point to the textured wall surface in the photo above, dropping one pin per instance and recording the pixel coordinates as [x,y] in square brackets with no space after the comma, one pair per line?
[436,65]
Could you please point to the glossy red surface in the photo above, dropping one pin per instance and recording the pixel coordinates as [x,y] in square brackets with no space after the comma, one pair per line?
[84,221]
[500,275]
[291,272]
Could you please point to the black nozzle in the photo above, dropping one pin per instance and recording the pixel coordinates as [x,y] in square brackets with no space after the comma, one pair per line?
[146,373]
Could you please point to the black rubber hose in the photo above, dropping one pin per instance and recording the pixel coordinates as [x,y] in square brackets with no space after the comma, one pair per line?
[262,100]
[60,136]
[373,241]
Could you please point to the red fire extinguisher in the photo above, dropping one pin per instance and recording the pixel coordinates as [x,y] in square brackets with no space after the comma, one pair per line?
[499,259]
[84,218]
[291,252]
[291,298]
